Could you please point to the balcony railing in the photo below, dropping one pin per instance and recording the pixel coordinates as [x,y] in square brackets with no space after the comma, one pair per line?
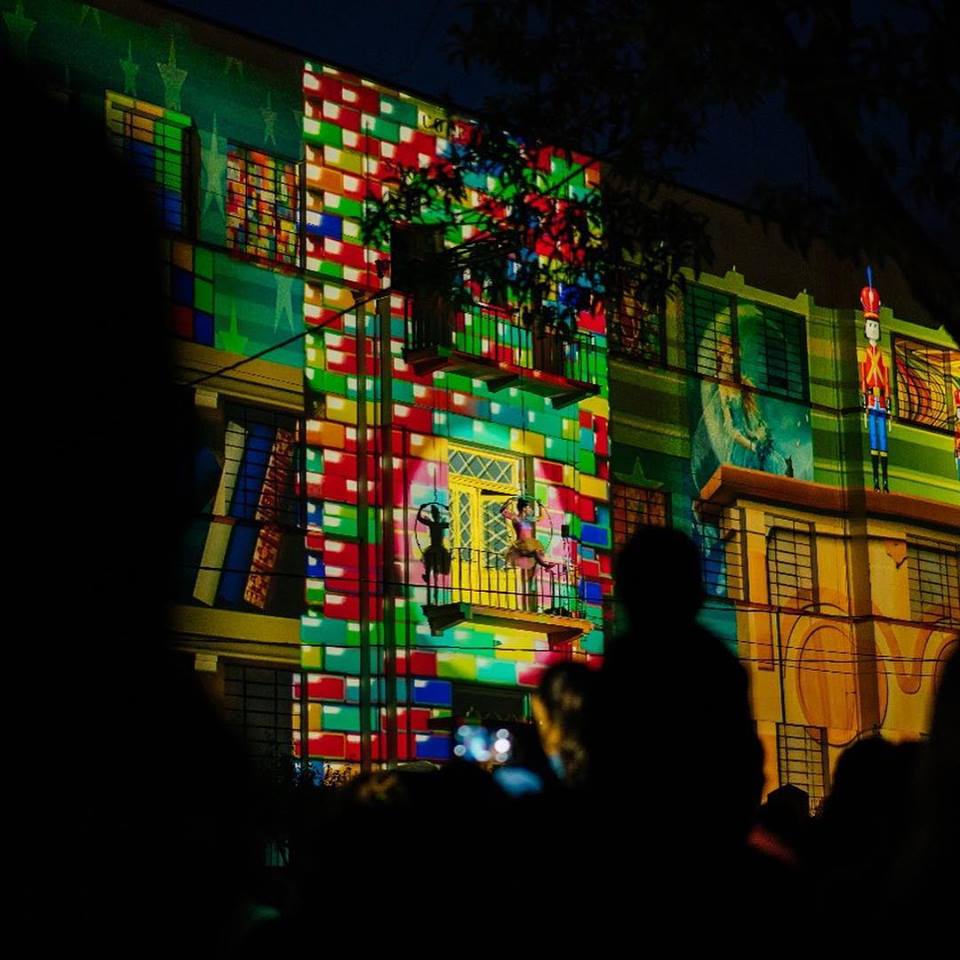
[495,345]
[486,578]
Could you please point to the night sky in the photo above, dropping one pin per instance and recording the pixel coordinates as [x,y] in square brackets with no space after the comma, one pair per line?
[406,44]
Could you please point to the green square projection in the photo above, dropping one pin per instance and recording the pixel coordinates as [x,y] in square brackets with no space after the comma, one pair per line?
[256,308]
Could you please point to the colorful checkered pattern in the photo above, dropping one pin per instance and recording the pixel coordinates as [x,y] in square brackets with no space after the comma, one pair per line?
[154,141]
[354,131]
[189,285]
[263,206]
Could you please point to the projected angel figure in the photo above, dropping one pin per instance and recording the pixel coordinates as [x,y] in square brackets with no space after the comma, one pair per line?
[733,426]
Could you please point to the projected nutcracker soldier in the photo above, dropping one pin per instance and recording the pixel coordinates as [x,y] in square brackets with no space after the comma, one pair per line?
[875,384]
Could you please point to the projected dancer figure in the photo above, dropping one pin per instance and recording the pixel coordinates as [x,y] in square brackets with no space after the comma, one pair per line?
[436,558]
[526,553]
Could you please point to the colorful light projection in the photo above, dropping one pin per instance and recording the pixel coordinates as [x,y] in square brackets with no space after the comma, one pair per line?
[189,286]
[245,551]
[263,206]
[153,140]
[746,407]
[927,379]
[875,385]
[353,131]
[956,426]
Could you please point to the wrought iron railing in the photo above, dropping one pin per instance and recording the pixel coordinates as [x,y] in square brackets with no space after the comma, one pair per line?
[490,579]
[501,338]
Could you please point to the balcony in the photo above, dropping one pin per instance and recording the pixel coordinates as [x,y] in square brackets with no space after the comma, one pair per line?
[482,586]
[492,344]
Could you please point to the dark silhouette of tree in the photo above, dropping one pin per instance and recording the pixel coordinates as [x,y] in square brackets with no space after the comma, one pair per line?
[875,91]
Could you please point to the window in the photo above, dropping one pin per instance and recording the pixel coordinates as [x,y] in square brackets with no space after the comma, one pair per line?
[263,215]
[636,333]
[710,324]
[245,548]
[744,342]
[156,143]
[259,705]
[414,253]
[480,485]
[485,467]
[637,507]
[791,562]
[415,269]
[926,376]
[773,354]
[934,574]
[720,535]
[802,760]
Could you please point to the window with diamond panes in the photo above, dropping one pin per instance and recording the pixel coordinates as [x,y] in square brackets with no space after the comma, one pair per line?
[483,467]
[497,532]
[462,518]
[480,484]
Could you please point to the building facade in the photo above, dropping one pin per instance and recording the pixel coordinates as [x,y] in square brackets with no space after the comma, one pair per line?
[369,467]
[741,416]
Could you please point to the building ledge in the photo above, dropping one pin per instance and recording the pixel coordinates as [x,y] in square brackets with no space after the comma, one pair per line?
[729,484]
[560,630]
[258,380]
[499,374]
[246,636]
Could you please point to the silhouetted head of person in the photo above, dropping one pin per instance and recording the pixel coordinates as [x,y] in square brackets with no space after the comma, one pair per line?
[563,707]
[788,803]
[786,814]
[658,578]
[865,807]
[523,504]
